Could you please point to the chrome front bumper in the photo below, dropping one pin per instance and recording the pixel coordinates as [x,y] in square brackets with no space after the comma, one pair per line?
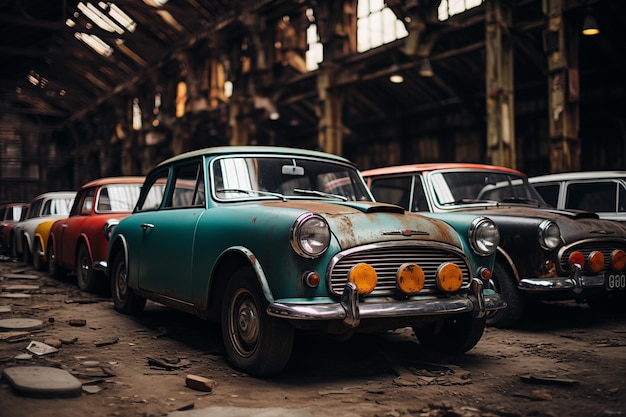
[351,310]
[576,282]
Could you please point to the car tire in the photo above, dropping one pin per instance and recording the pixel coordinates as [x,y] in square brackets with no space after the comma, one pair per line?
[255,342]
[54,269]
[14,253]
[27,256]
[125,300]
[456,335]
[506,285]
[86,277]
[38,262]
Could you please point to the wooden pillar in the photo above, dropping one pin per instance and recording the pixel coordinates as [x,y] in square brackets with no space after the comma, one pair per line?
[561,47]
[499,80]
[330,132]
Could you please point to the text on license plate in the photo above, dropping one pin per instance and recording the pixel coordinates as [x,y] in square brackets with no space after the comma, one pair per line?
[615,281]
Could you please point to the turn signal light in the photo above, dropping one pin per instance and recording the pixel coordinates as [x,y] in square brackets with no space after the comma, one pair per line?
[449,277]
[618,259]
[484,273]
[576,258]
[596,261]
[410,278]
[364,277]
[311,279]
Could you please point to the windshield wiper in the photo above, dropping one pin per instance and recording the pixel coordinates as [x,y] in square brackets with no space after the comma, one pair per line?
[468,201]
[520,200]
[257,192]
[319,194]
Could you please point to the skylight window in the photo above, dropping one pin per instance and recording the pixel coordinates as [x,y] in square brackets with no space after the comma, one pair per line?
[377,25]
[449,8]
[95,43]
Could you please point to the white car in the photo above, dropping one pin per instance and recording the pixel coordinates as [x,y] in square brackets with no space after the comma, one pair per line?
[603,192]
[48,206]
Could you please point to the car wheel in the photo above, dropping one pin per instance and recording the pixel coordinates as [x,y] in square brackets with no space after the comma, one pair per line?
[125,300]
[505,284]
[14,253]
[255,342]
[54,270]
[27,256]
[38,262]
[85,275]
[457,334]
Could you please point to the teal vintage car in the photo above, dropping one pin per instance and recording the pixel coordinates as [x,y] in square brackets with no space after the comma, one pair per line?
[270,240]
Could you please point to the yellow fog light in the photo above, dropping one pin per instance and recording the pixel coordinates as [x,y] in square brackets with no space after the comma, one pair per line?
[449,277]
[596,261]
[364,277]
[410,278]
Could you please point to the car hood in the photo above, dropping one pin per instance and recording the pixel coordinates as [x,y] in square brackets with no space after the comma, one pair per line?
[574,224]
[358,223]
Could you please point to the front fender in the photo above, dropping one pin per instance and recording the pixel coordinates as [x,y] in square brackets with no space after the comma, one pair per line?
[254,263]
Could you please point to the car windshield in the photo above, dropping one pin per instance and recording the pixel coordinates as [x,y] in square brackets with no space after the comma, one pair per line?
[481,187]
[117,198]
[261,177]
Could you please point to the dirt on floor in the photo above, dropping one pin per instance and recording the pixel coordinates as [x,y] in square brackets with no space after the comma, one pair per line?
[564,360]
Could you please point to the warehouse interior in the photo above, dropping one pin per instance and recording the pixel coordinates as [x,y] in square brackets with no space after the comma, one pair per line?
[104,88]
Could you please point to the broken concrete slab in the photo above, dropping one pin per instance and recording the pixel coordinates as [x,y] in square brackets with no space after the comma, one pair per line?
[5,308]
[20,287]
[42,382]
[41,349]
[20,324]
[21,276]
[242,412]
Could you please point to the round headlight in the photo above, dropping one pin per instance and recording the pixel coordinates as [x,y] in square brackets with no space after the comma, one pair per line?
[310,235]
[549,235]
[484,236]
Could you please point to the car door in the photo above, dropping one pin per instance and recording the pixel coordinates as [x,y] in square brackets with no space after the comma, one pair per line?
[167,236]
[71,227]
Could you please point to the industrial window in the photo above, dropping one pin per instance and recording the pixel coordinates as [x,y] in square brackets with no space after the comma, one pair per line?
[377,25]
[448,8]
[181,99]
[314,54]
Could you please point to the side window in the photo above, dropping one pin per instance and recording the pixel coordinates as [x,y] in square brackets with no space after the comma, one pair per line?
[87,202]
[395,190]
[592,196]
[420,201]
[34,209]
[188,186]
[622,198]
[155,186]
[549,192]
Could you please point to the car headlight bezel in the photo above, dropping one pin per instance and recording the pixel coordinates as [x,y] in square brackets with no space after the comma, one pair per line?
[310,236]
[484,236]
[549,235]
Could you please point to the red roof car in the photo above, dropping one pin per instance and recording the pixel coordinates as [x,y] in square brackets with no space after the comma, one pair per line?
[79,243]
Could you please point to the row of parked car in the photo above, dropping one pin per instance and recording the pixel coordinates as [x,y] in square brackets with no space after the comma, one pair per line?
[270,240]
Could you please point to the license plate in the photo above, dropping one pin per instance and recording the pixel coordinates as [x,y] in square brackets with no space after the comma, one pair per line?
[615,281]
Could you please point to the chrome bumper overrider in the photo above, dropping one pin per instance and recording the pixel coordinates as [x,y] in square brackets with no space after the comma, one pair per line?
[351,311]
[575,282]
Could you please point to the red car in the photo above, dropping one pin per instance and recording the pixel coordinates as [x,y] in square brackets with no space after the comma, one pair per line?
[79,243]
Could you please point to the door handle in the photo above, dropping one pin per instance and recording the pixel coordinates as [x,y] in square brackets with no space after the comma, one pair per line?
[146,226]
[64,225]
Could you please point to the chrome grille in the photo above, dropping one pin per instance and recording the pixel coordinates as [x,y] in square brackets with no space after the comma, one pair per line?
[587,246]
[387,258]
